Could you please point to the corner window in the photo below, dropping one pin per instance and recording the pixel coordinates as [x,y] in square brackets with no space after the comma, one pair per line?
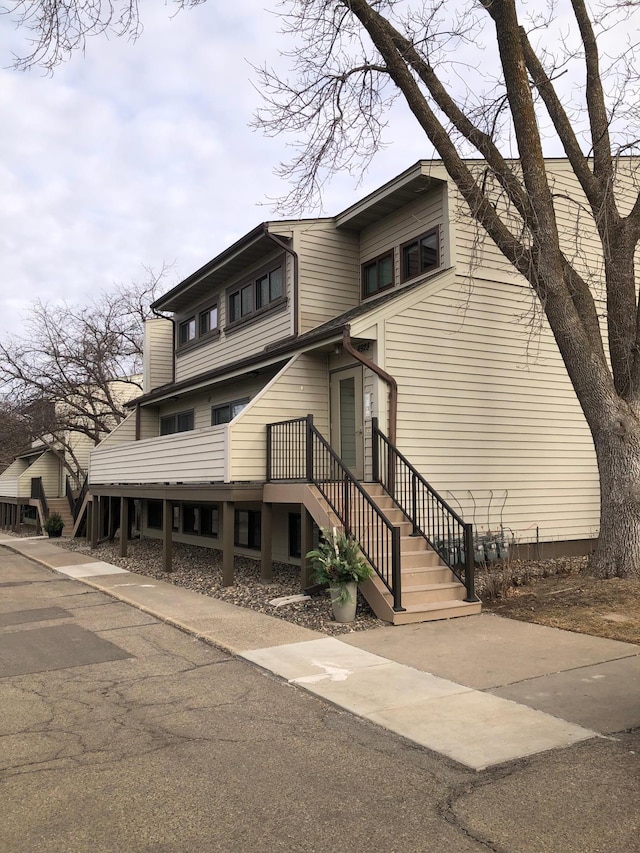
[227,412]
[420,255]
[187,331]
[180,422]
[257,295]
[377,275]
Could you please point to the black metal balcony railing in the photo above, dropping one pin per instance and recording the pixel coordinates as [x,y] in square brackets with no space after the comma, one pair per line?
[297,452]
[447,533]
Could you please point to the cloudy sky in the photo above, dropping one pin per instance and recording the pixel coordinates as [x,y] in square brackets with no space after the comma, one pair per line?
[140,154]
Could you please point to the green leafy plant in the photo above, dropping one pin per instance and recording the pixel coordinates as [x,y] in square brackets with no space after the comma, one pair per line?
[338,561]
[54,524]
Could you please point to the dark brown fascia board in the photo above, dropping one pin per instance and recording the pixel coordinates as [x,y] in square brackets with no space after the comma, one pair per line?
[363,212]
[260,359]
[207,492]
[264,229]
[236,247]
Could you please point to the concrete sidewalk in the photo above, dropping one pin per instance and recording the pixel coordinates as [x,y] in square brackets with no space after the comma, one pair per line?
[481,690]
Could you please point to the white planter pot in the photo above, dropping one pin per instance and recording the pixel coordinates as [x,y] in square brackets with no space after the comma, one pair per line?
[345,611]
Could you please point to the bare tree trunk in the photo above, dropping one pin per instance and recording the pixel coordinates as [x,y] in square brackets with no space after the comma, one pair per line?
[618,551]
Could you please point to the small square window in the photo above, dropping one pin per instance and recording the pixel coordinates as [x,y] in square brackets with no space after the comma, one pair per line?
[187,331]
[420,255]
[377,275]
[208,320]
[227,412]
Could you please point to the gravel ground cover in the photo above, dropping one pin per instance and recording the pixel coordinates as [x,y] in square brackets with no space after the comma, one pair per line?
[200,569]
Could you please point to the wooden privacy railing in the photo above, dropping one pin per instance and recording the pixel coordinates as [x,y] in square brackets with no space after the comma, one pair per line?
[297,452]
[37,493]
[431,516]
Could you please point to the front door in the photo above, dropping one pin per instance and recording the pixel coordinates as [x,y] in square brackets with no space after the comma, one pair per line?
[346,418]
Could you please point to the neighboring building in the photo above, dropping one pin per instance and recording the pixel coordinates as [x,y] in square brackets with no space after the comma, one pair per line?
[49,475]
[396,309]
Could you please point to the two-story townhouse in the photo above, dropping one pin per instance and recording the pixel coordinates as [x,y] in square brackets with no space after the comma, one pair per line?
[417,352]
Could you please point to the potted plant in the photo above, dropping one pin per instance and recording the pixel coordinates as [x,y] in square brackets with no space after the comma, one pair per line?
[337,561]
[53,525]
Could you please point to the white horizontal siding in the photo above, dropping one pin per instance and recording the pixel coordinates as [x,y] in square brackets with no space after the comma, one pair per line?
[487,413]
[187,457]
[301,388]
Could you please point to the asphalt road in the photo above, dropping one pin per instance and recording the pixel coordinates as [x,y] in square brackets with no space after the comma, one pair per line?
[120,733]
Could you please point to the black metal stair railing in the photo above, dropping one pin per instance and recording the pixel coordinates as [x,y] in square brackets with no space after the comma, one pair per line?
[297,452]
[431,516]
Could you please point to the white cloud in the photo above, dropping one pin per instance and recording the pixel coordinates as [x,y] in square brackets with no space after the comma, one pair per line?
[140,153]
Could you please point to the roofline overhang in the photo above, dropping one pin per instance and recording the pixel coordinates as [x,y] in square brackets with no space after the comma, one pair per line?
[231,251]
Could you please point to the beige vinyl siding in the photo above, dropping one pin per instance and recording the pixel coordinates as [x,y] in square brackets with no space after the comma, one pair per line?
[329,272]
[157,353]
[9,479]
[185,457]
[247,339]
[487,413]
[149,422]
[123,433]
[81,446]
[46,466]
[300,388]
[409,221]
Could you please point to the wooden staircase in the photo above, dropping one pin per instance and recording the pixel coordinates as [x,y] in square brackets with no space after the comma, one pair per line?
[430,590]
[61,506]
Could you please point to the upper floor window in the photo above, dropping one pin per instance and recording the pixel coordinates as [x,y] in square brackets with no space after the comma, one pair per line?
[203,322]
[377,275]
[208,320]
[256,295]
[420,255]
[227,412]
[179,422]
[187,331]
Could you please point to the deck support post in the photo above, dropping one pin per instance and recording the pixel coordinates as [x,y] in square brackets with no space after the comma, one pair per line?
[167,544]
[306,544]
[124,526]
[95,521]
[228,523]
[266,540]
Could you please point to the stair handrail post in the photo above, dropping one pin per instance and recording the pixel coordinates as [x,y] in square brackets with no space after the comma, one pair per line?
[269,451]
[309,449]
[414,503]
[346,505]
[395,569]
[375,451]
[469,566]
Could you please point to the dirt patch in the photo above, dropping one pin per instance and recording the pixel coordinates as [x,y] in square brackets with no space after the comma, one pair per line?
[604,608]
